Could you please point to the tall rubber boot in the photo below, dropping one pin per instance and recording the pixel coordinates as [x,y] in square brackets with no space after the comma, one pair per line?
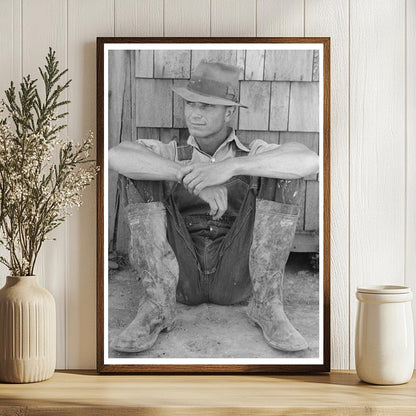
[153,258]
[274,231]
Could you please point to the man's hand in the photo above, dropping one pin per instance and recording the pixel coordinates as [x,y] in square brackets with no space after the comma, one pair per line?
[217,198]
[198,176]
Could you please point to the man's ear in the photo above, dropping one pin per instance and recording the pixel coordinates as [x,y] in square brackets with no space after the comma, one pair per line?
[229,113]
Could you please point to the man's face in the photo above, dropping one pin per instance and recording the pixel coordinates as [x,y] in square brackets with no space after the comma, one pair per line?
[205,120]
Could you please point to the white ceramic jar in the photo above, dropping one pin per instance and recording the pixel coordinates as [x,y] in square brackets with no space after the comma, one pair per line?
[384,337]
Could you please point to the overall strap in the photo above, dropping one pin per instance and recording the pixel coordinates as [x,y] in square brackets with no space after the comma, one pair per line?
[185,152]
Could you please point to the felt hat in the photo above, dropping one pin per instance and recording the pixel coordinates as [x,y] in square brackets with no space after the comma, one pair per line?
[212,83]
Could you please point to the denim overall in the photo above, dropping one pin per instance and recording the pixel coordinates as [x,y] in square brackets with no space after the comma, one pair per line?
[213,255]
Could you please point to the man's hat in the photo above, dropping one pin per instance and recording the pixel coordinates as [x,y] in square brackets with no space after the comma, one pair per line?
[212,83]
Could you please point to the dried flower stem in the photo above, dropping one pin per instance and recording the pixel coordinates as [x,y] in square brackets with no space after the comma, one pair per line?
[36,193]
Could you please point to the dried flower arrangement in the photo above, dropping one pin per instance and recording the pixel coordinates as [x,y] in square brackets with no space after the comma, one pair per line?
[42,176]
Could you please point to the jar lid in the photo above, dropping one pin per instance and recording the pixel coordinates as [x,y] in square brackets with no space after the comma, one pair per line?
[384,289]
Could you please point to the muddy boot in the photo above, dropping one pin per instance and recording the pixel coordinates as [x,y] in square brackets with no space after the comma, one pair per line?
[152,257]
[274,231]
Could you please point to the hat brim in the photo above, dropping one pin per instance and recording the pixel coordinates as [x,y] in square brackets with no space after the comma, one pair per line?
[189,95]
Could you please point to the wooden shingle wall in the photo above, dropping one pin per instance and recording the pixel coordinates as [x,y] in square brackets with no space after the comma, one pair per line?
[280,88]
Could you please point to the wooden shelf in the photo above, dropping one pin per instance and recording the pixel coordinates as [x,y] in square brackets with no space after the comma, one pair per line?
[86,393]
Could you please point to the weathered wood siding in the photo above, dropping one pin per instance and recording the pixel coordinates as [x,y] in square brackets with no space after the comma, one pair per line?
[276,86]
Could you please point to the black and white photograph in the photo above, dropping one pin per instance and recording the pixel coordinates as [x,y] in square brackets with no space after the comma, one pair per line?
[213,204]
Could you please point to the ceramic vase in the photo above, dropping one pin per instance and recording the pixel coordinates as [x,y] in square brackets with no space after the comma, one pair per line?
[27,331]
[384,340]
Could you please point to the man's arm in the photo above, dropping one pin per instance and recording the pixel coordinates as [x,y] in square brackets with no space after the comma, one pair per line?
[288,161]
[137,162]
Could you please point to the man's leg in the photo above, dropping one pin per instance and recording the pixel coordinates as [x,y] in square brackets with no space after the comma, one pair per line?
[152,257]
[277,210]
[231,282]
[191,288]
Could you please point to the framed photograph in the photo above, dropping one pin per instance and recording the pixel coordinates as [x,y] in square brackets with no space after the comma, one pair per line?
[213,205]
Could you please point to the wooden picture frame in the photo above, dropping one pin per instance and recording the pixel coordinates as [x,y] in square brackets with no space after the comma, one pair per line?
[294,67]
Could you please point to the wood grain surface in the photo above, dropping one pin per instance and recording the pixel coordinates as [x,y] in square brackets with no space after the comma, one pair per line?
[85,393]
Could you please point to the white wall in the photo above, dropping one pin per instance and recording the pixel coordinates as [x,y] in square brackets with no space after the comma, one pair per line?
[373,132]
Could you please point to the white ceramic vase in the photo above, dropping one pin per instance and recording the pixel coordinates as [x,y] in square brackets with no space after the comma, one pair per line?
[27,331]
[384,338]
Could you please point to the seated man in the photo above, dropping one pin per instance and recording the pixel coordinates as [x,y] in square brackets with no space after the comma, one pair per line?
[212,221]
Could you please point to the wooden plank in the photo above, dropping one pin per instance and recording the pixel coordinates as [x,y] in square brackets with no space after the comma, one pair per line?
[304,106]
[128,131]
[145,133]
[211,55]
[117,64]
[233,18]
[377,143]
[178,105]
[246,136]
[331,18]
[291,65]
[315,66]
[254,68]
[241,62]
[410,277]
[36,39]
[172,64]
[183,18]
[138,17]
[280,18]
[256,95]
[143,61]
[10,67]
[87,393]
[231,57]
[279,106]
[301,220]
[85,20]
[312,206]
[10,44]
[306,243]
[153,103]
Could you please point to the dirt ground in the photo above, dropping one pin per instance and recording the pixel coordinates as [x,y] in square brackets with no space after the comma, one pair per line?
[215,331]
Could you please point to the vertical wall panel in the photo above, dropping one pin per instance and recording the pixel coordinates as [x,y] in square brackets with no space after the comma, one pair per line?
[138,17]
[303,106]
[233,18]
[254,68]
[331,18]
[187,18]
[377,140]
[45,24]
[86,20]
[10,66]
[10,44]
[288,65]
[279,18]
[411,152]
